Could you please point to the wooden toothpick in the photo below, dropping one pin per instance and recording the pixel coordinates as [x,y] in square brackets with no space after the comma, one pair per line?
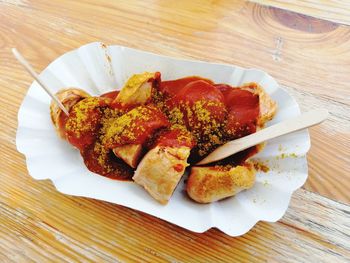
[31,71]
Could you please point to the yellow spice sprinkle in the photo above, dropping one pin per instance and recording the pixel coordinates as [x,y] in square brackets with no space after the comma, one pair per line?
[81,112]
[102,158]
[125,125]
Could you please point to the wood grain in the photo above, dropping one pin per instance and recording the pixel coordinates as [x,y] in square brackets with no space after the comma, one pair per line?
[311,60]
[315,229]
[333,10]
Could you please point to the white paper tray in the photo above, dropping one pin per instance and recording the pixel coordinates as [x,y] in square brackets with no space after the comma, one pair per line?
[98,69]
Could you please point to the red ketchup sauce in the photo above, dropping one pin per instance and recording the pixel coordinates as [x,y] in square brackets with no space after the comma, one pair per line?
[171,87]
[175,138]
[105,163]
[243,113]
[207,109]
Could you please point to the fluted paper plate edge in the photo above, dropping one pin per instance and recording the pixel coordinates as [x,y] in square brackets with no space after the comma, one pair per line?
[99,68]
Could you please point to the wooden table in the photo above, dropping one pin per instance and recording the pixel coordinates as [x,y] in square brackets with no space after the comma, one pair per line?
[309,56]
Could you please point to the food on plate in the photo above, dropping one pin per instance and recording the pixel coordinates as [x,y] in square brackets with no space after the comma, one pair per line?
[84,121]
[209,184]
[267,107]
[130,153]
[152,131]
[138,89]
[161,169]
[68,97]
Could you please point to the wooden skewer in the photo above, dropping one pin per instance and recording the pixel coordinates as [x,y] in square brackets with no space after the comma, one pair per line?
[303,121]
[31,71]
